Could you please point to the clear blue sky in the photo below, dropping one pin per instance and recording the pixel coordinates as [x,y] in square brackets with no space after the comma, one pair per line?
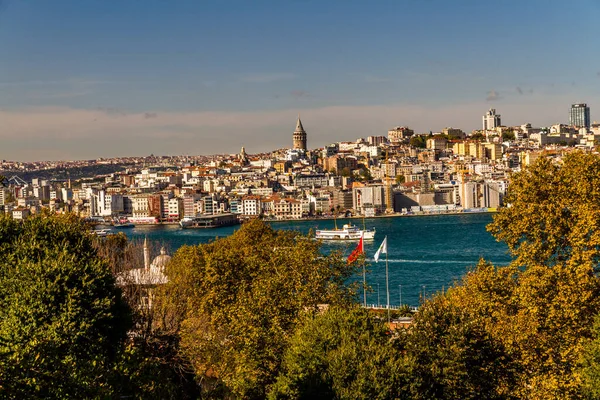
[97,78]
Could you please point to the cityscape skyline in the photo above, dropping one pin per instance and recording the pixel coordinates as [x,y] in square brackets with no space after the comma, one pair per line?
[99,80]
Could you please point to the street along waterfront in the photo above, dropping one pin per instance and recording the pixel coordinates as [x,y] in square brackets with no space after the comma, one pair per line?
[426,253]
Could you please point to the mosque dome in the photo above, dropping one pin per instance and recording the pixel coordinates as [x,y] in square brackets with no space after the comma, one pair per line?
[160,261]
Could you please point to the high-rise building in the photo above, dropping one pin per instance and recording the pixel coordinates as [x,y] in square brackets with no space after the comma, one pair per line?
[579,115]
[299,137]
[491,120]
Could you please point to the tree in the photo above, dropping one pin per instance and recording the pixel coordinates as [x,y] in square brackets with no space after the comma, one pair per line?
[364,173]
[554,212]
[591,364]
[508,135]
[62,320]
[235,302]
[477,136]
[418,141]
[346,172]
[342,354]
[400,179]
[539,316]
[452,356]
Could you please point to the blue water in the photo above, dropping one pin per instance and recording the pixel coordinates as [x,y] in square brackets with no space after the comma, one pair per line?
[426,253]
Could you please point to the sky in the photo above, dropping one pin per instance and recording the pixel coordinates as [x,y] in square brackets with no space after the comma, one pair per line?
[82,79]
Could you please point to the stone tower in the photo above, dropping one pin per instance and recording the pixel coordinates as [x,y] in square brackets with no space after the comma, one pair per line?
[299,136]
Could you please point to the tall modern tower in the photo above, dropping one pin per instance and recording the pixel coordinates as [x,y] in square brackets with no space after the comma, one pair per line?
[299,136]
[579,115]
[491,120]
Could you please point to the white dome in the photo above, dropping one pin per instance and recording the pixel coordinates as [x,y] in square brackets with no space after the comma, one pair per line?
[160,261]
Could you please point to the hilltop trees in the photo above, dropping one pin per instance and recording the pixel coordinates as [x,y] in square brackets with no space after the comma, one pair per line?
[61,318]
[236,301]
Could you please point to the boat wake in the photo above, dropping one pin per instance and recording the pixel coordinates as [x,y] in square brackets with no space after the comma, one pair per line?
[401,260]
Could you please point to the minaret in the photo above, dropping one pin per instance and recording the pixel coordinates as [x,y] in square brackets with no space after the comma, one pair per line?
[299,136]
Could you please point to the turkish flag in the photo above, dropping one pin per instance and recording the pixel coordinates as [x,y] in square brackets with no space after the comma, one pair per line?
[357,252]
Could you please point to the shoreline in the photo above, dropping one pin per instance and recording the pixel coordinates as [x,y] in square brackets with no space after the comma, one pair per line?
[395,215]
[330,218]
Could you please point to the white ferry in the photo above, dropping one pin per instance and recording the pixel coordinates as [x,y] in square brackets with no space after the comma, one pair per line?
[348,232]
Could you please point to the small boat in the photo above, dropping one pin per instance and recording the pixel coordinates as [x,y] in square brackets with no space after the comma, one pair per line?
[123,223]
[102,232]
[186,222]
[348,232]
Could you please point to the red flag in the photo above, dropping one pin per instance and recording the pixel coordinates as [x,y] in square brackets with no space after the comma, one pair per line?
[357,252]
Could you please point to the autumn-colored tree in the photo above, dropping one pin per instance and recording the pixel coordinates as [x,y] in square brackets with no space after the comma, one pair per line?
[553,212]
[591,364]
[236,301]
[453,356]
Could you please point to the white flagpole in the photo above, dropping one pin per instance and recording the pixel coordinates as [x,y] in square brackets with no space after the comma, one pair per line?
[387,282]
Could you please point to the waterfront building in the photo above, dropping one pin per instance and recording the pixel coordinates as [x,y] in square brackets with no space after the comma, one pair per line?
[579,115]
[369,197]
[470,194]
[299,136]
[491,120]
[251,206]
[175,208]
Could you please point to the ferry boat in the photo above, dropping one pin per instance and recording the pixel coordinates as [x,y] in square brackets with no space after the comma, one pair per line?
[209,221]
[348,232]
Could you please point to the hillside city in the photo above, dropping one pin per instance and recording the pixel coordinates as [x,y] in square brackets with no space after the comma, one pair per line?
[401,173]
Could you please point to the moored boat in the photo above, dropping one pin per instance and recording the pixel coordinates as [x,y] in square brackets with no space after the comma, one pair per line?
[102,232]
[123,223]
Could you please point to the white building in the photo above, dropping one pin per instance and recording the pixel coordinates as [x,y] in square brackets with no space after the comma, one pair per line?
[175,208]
[369,197]
[251,205]
[140,207]
[491,120]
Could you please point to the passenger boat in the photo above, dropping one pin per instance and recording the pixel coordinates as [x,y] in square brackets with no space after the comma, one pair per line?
[348,232]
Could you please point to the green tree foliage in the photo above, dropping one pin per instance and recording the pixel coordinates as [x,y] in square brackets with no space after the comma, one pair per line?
[508,135]
[477,136]
[61,318]
[341,354]
[364,173]
[236,301]
[419,141]
[346,172]
[554,212]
